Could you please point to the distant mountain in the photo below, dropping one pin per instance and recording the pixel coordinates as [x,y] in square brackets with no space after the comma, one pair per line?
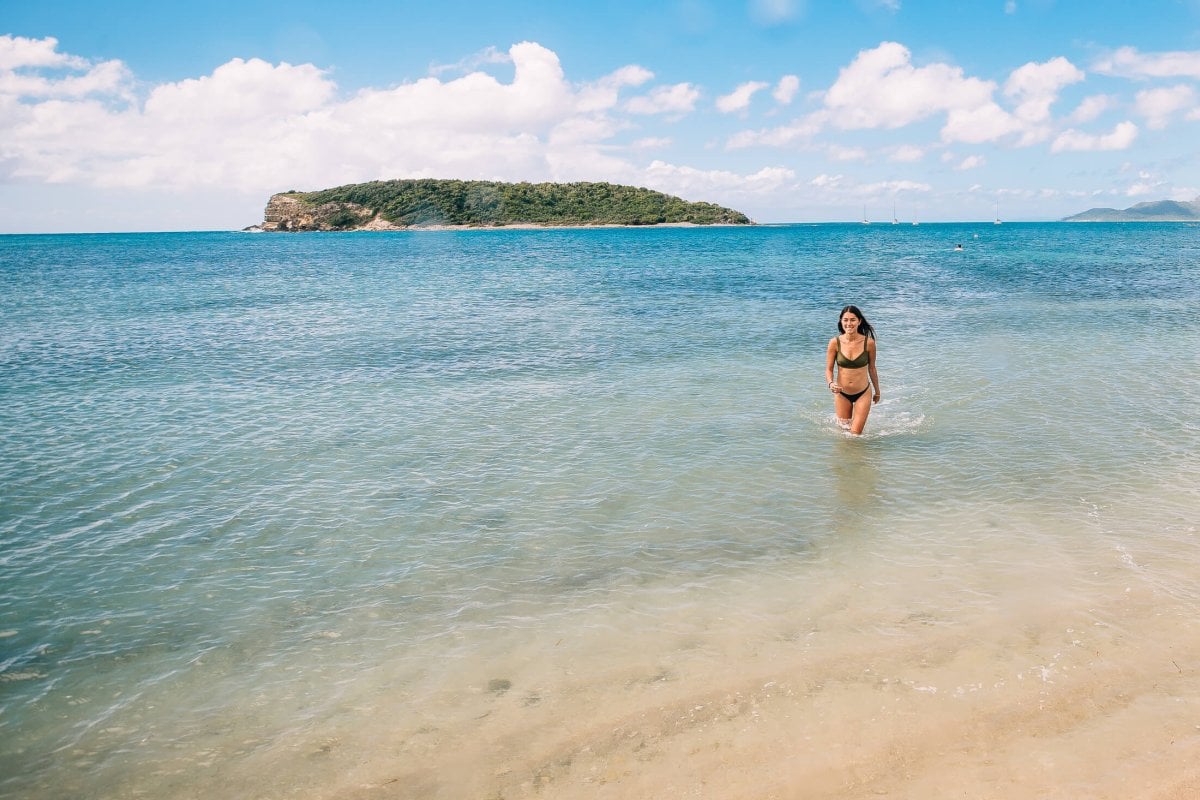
[1156,211]
[400,204]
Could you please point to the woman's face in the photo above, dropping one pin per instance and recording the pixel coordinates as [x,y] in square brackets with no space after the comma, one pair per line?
[849,322]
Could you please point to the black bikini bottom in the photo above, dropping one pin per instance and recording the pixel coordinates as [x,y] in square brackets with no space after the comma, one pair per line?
[853,397]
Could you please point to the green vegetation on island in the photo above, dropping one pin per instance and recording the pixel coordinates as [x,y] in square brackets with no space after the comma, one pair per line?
[429,202]
[1154,211]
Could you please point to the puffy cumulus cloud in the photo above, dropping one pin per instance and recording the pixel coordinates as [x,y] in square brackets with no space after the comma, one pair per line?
[739,99]
[1143,188]
[1121,137]
[1090,108]
[684,181]
[17,52]
[671,100]
[785,91]
[252,126]
[970,162]
[979,124]
[798,130]
[1035,87]
[537,96]
[240,91]
[604,93]
[1127,62]
[882,89]
[21,58]
[827,181]
[1159,105]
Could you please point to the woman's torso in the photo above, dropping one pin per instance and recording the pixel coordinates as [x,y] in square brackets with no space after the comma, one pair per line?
[852,363]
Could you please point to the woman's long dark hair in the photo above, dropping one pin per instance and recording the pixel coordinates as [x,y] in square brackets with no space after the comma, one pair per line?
[864,327]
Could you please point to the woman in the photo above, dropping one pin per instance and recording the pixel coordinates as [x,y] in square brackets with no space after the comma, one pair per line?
[853,351]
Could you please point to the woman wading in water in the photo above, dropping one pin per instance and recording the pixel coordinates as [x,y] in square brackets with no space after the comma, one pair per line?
[853,353]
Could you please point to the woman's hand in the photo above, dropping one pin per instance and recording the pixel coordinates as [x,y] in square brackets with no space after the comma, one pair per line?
[875,399]
[835,387]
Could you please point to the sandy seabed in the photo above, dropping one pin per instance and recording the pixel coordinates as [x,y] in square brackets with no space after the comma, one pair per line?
[1006,672]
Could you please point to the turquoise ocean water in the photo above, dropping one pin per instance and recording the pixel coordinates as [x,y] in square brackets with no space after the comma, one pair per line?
[250,481]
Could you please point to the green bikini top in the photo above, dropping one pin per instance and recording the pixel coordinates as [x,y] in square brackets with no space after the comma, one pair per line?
[861,360]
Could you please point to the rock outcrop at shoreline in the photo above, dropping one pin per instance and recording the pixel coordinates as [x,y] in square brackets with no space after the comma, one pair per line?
[1155,211]
[426,203]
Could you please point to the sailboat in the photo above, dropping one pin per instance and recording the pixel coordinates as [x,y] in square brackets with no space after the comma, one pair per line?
[996,214]
[865,220]
[894,220]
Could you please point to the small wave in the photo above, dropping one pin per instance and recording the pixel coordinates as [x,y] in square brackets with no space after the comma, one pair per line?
[879,425]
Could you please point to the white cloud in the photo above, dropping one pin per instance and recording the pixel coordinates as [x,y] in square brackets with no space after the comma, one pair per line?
[686,181]
[1035,87]
[675,100]
[651,142]
[17,52]
[1143,189]
[1159,105]
[241,90]
[1121,137]
[1127,62]
[782,136]
[489,55]
[1090,108]
[823,181]
[603,94]
[252,127]
[739,98]
[785,91]
[907,153]
[882,89]
[978,124]
[894,187]
[841,153]
[1010,6]
[971,162]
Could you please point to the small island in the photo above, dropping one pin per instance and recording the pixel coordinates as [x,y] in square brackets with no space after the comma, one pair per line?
[1155,211]
[434,204]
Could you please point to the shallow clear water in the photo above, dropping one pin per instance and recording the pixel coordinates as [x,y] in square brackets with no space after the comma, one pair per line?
[247,480]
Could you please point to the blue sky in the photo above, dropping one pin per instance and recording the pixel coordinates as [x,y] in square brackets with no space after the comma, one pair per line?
[159,116]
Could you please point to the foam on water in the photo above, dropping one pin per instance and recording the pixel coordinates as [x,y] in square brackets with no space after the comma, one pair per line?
[286,507]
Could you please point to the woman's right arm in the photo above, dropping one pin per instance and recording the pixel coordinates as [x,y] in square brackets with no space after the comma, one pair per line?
[830,358]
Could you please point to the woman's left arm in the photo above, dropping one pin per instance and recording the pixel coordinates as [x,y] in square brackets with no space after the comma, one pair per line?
[871,369]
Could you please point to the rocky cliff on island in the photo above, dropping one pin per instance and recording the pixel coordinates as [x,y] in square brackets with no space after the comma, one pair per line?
[427,203]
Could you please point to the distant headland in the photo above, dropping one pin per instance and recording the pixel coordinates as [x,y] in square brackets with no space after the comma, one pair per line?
[429,203]
[1156,211]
